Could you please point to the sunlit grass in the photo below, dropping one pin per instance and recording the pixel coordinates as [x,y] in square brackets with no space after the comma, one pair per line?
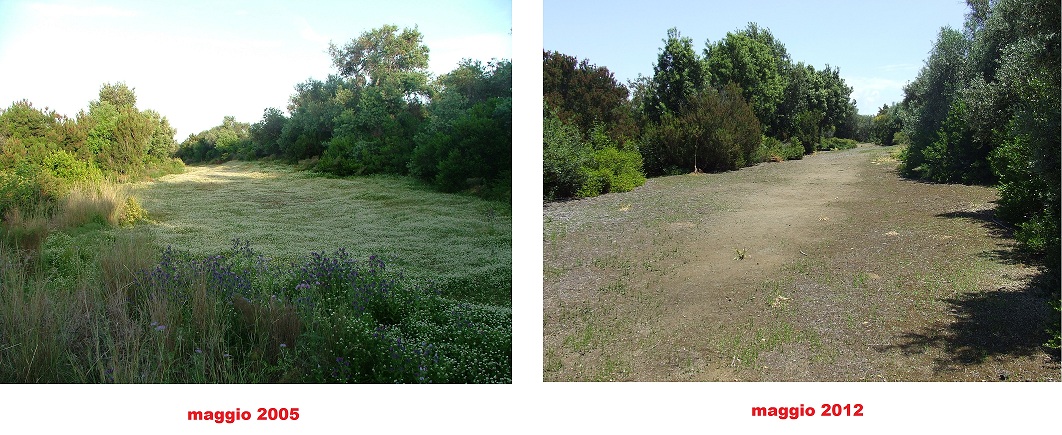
[460,242]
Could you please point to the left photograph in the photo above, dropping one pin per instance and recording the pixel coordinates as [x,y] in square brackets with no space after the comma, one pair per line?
[292,192]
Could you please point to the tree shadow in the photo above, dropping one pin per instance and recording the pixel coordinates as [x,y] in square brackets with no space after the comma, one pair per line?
[1011,322]
[1006,253]
[986,217]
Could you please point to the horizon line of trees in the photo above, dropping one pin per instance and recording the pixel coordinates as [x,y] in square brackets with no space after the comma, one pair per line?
[382,113]
[742,100]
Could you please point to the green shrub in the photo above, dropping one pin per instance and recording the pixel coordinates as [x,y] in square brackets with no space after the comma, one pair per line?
[715,131]
[794,149]
[611,169]
[63,170]
[340,157]
[132,212]
[21,189]
[834,143]
[955,155]
[774,150]
[621,170]
[807,129]
[564,155]
[900,138]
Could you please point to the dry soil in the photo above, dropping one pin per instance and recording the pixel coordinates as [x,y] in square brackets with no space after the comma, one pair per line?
[830,268]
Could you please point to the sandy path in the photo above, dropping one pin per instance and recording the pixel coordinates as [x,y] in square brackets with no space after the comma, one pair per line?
[732,275]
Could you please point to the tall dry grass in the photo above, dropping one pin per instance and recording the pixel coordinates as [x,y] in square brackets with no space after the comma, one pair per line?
[86,330]
[106,203]
[25,230]
[85,203]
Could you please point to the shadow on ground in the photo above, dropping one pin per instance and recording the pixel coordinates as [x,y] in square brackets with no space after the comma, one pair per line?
[986,217]
[1006,322]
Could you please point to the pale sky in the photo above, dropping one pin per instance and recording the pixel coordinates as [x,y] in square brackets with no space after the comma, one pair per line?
[879,46]
[197,61]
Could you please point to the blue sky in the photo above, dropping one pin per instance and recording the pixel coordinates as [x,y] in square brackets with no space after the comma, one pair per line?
[878,45]
[198,61]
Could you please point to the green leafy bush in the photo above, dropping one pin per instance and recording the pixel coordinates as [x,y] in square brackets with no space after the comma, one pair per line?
[610,168]
[834,143]
[62,170]
[715,131]
[20,188]
[478,148]
[955,155]
[563,157]
[900,138]
[573,167]
[132,212]
[775,150]
[617,170]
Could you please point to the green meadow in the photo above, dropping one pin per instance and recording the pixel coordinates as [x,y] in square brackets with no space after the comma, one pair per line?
[259,273]
[453,240]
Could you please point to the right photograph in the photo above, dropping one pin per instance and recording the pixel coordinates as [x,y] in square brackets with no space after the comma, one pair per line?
[801,191]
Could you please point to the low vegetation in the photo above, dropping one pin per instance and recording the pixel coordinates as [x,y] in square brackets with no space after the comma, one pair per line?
[129,316]
[163,302]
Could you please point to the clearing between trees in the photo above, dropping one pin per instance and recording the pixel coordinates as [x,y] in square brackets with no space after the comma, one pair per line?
[831,268]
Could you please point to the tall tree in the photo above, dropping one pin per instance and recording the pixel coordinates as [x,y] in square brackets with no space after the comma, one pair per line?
[313,109]
[929,97]
[582,93]
[754,66]
[678,75]
[265,134]
[118,94]
[385,55]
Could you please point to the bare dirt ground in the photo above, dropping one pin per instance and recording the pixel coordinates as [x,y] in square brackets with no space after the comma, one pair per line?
[830,268]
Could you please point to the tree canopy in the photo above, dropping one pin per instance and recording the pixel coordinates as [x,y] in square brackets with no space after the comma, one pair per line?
[696,112]
[382,112]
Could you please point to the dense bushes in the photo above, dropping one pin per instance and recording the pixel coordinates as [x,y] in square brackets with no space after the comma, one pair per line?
[583,94]
[985,108]
[834,143]
[230,140]
[473,150]
[610,167]
[886,126]
[589,141]
[381,114]
[564,155]
[44,155]
[714,130]
[775,150]
[577,167]
[732,107]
